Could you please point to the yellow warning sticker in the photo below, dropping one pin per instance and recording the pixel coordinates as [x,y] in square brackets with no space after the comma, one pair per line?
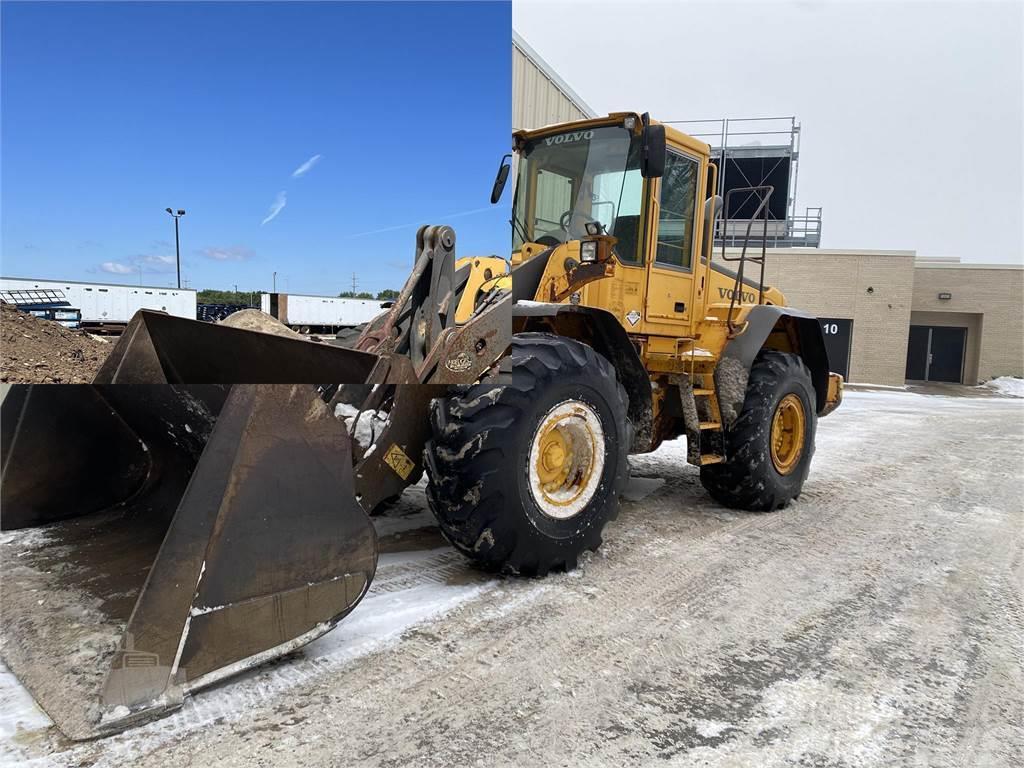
[397,459]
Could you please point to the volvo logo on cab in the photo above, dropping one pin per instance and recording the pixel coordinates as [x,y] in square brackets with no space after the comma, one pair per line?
[566,138]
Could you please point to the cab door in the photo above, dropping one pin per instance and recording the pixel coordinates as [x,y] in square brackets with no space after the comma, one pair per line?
[671,265]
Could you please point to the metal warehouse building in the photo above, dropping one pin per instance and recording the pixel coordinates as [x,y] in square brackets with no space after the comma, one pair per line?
[889,317]
[539,95]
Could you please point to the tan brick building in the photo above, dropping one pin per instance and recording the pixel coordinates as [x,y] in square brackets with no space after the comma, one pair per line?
[872,289]
[985,299]
[890,317]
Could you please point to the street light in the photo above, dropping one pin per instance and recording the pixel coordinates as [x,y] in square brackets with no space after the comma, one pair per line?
[177,242]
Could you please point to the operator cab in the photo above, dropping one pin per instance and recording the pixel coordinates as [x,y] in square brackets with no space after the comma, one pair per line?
[589,181]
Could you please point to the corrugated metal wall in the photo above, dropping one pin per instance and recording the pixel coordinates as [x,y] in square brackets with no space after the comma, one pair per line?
[539,96]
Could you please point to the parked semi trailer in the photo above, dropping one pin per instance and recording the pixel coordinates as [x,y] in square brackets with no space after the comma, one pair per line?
[110,306]
[320,314]
[47,303]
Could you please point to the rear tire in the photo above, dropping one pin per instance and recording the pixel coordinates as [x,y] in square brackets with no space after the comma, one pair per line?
[524,476]
[755,477]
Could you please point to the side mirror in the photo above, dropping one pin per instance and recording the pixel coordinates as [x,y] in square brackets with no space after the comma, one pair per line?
[652,159]
[501,178]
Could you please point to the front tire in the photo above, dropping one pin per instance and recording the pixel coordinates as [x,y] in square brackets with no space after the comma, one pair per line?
[770,445]
[524,476]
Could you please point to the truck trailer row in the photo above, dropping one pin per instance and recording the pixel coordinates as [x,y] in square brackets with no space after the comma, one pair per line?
[99,306]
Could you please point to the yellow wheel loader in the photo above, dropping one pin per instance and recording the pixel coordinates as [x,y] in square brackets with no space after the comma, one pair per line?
[201,508]
[626,333]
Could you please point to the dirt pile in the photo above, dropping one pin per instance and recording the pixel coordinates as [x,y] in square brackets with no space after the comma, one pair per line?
[255,320]
[37,351]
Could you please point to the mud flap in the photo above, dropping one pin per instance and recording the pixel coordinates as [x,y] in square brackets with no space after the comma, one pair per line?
[216,528]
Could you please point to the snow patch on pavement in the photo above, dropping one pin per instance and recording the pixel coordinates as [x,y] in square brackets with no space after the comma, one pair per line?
[797,708]
[1006,385]
[29,538]
[378,622]
[710,729]
[385,617]
[20,717]
[867,386]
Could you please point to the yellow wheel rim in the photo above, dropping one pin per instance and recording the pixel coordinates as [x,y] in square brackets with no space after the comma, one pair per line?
[555,457]
[788,434]
[566,459]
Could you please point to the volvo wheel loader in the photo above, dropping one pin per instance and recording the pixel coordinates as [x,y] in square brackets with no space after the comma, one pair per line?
[200,509]
[626,333]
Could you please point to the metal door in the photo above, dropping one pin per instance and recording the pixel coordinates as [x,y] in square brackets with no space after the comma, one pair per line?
[917,353]
[947,354]
[936,353]
[838,333]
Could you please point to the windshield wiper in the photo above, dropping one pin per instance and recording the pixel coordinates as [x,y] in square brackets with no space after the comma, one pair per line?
[518,227]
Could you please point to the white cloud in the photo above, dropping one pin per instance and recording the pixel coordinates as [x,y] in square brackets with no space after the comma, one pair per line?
[230,253]
[157,261]
[279,203]
[148,263]
[306,167]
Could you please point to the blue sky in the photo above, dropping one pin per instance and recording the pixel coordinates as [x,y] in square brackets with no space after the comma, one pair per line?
[358,118]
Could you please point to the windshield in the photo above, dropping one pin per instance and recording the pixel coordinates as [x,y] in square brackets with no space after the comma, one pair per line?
[569,179]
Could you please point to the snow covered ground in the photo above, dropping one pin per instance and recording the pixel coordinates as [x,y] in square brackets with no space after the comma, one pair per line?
[411,587]
[1007,385]
[875,622]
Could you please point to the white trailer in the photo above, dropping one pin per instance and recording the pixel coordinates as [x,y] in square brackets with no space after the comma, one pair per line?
[109,304]
[319,314]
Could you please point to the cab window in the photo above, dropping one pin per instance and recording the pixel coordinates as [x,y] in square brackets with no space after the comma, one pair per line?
[623,222]
[554,197]
[678,201]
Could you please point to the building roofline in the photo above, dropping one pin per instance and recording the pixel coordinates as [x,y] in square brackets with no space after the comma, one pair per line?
[550,74]
[799,251]
[321,296]
[103,285]
[964,265]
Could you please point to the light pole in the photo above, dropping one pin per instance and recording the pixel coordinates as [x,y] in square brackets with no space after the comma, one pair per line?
[177,242]
[275,282]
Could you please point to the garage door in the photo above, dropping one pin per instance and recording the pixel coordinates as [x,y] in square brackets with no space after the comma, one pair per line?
[838,332]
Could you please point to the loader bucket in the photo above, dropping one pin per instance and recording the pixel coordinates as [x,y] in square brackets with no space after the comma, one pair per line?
[160,348]
[179,535]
